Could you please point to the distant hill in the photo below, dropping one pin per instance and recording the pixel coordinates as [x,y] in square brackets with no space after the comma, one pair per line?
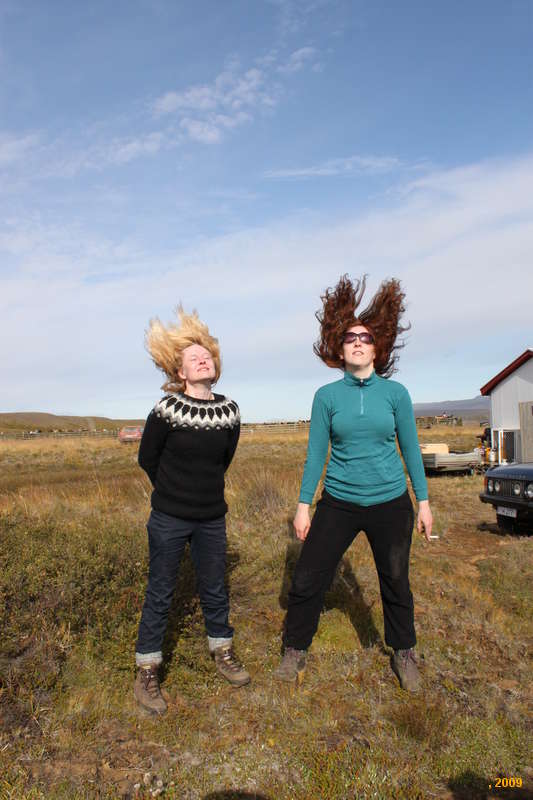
[477,408]
[36,420]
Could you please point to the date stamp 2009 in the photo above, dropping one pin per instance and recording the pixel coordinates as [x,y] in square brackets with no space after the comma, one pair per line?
[507,783]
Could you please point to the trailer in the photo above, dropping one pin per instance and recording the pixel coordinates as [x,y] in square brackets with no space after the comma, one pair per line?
[437,458]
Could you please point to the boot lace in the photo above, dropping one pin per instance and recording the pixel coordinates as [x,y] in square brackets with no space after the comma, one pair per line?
[293,657]
[226,656]
[150,682]
[290,655]
[407,656]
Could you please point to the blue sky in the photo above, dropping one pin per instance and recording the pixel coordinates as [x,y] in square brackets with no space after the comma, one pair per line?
[239,157]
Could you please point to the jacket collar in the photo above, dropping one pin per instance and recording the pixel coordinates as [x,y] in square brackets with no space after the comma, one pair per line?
[351,380]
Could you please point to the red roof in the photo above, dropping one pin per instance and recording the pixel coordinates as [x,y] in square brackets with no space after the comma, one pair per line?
[487,389]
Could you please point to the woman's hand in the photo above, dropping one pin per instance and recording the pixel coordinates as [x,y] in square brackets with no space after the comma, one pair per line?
[425,519]
[301,521]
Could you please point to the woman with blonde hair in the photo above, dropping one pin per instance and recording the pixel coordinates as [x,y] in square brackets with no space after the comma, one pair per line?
[362,416]
[187,445]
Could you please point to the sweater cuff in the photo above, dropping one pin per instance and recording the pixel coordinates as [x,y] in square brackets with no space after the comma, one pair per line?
[306,498]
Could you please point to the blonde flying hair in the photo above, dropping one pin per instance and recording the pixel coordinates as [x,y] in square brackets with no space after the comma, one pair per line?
[167,343]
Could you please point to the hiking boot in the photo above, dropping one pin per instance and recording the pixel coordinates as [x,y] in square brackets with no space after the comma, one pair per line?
[404,664]
[229,667]
[147,691]
[292,667]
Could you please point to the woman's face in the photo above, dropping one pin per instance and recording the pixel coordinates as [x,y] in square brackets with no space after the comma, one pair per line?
[197,365]
[355,352]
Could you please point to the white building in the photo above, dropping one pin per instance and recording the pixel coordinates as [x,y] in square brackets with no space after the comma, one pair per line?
[510,387]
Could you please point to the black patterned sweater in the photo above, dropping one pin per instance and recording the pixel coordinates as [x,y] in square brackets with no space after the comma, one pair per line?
[186,447]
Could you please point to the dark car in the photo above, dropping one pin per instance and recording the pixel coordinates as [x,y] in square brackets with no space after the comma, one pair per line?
[509,488]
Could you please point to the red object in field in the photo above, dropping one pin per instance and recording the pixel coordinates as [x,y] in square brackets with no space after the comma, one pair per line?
[131,433]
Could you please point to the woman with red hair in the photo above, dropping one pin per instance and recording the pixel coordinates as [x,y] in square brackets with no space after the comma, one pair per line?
[361,416]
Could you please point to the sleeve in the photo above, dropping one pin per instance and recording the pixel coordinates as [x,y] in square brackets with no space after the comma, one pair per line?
[233,440]
[152,444]
[317,447]
[409,445]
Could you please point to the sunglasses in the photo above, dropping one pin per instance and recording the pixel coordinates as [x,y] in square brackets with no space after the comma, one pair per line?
[364,337]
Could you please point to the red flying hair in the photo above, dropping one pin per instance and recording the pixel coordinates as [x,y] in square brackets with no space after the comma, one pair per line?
[381,317]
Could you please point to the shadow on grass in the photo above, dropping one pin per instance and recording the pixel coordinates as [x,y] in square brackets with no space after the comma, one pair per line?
[343,594]
[470,786]
[513,528]
[184,603]
[235,794]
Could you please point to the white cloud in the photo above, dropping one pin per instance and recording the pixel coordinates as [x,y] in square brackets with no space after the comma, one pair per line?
[198,98]
[232,90]
[339,166]
[460,240]
[210,129]
[248,90]
[294,15]
[205,113]
[234,194]
[122,151]
[14,148]
[298,60]
[233,98]
[200,131]
[226,121]
[64,159]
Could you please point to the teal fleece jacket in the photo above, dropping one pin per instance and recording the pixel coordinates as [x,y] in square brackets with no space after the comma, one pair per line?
[362,418]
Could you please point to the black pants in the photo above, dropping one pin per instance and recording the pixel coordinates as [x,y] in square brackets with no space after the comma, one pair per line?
[335,525]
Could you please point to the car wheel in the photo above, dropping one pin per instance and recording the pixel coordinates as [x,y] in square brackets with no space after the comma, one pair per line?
[525,527]
[505,524]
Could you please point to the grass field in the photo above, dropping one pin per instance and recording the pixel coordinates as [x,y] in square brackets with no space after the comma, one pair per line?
[73,564]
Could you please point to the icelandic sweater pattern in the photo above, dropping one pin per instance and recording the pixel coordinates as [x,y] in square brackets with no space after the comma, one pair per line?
[186,447]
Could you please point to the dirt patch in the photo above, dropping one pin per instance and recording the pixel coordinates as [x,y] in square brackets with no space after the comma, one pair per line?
[124,760]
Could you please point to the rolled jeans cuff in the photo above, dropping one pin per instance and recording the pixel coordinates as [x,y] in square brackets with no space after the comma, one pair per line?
[217,641]
[142,659]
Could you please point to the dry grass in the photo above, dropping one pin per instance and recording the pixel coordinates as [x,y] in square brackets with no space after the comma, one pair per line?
[73,571]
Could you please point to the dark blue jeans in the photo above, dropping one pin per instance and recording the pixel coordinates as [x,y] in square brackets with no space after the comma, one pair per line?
[167,537]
